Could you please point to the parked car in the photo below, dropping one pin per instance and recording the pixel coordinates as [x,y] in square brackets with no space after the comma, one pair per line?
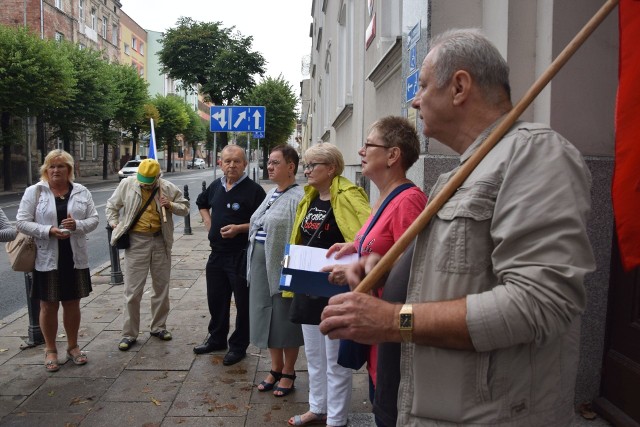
[197,164]
[130,168]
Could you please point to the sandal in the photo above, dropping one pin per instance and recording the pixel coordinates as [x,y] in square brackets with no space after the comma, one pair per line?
[314,418]
[51,365]
[283,391]
[125,343]
[266,386]
[164,335]
[78,359]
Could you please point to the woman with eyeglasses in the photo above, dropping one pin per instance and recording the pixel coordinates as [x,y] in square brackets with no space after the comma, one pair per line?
[269,230]
[391,148]
[339,207]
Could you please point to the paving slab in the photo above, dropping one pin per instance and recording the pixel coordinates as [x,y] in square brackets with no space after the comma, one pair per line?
[9,403]
[109,414]
[42,419]
[67,395]
[20,380]
[159,387]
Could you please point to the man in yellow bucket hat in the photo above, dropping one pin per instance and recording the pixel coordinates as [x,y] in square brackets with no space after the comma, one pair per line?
[142,208]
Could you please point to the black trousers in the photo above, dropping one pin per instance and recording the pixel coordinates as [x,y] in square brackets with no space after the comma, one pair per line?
[226,276]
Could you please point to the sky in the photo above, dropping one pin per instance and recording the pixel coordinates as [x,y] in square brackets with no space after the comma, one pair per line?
[280,28]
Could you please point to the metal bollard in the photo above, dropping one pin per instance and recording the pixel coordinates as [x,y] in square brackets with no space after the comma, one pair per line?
[187,219]
[204,186]
[33,307]
[114,254]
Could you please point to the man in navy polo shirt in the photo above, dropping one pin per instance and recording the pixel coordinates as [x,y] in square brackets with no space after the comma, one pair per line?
[226,207]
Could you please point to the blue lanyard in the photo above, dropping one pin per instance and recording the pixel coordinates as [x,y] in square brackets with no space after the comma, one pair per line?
[399,189]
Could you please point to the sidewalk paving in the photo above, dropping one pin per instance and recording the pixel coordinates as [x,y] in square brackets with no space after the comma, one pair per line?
[156,383]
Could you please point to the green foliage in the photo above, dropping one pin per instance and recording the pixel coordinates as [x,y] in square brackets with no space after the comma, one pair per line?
[33,74]
[173,120]
[88,106]
[134,95]
[34,78]
[196,129]
[280,101]
[217,59]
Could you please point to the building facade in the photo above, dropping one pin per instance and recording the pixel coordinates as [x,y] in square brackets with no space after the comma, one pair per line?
[365,56]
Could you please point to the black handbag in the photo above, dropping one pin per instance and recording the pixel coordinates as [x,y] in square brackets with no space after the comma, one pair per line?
[306,309]
[124,241]
[352,354]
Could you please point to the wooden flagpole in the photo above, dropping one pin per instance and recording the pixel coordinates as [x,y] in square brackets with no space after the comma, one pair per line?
[467,167]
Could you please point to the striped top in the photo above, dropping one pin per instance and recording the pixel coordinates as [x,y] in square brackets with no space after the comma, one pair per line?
[261,236]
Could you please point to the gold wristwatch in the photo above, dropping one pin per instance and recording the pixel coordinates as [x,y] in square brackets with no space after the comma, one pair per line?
[406,323]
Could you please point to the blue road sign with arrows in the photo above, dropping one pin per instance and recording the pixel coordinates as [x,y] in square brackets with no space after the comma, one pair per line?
[412,85]
[237,118]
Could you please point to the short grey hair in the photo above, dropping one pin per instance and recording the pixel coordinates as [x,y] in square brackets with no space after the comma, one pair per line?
[471,51]
[235,147]
[325,152]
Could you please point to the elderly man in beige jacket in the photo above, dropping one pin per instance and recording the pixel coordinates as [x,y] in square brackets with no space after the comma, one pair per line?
[151,239]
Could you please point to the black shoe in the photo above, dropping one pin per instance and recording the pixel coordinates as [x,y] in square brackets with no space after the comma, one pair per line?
[233,357]
[208,346]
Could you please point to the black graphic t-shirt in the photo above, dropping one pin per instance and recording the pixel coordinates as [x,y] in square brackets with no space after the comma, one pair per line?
[330,232]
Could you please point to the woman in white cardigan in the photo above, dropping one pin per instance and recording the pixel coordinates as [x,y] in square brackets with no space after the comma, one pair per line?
[58,213]
[269,232]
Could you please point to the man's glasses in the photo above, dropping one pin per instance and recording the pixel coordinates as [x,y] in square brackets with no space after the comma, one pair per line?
[311,166]
[368,144]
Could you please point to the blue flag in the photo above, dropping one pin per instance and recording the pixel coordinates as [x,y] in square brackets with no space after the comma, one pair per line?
[153,151]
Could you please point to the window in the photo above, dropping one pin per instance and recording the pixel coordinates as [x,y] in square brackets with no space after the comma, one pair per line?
[141,71]
[59,4]
[141,48]
[114,34]
[93,18]
[59,36]
[127,51]
[134,43]
[81,46]
[104,27]
[81,11]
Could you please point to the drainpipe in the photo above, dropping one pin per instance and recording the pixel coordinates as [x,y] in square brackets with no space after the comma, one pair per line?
[41,19]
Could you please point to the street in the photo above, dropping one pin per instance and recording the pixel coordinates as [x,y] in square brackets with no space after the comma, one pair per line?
[13,284]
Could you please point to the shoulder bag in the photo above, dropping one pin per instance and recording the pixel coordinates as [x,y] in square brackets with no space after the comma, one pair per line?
[123,241]
[306,309]
[352,354]
[22,250]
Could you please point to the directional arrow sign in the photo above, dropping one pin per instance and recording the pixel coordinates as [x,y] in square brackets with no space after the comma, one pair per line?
[412,85]
[237,119]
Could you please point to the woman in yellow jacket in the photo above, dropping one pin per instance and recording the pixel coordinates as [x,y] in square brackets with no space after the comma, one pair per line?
[340,207]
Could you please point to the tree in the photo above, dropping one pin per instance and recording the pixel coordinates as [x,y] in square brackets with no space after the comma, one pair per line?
[142,125]
[196,131]
[277,96]
[124,105]
[174,120]
[91,89]
[34,78]
[216,59]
